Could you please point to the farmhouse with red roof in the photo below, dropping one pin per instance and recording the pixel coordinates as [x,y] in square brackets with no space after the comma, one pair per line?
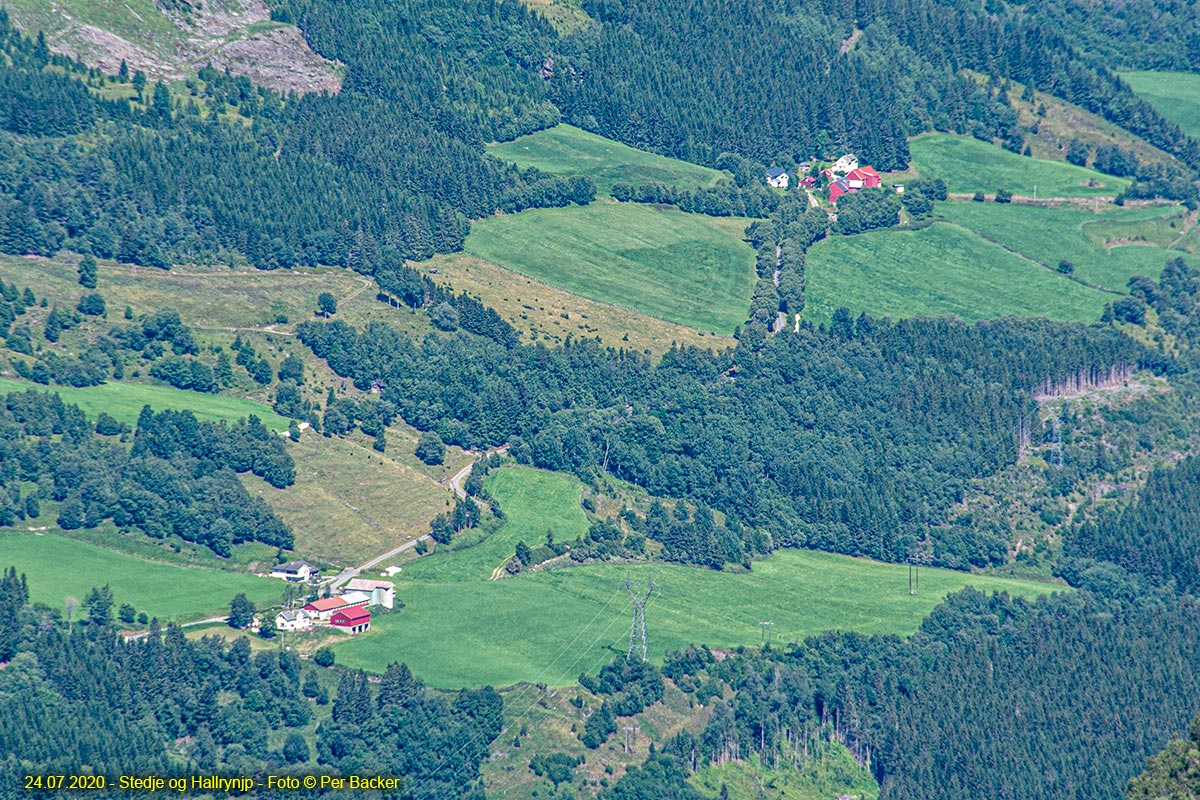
[324,608]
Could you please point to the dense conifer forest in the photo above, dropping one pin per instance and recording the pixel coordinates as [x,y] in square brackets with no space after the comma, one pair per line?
[239,172]
[827,76]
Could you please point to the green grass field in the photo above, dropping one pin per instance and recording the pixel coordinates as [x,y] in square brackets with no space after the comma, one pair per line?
[969,165]
[1175,95]
[550,314]
[124,401]
[684,268]
[567,150]
[941,269]
[460,628]
[1049,235]
[59,567]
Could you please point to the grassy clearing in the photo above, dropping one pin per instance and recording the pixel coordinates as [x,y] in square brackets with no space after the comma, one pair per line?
[546,719]
[208,298]
[59,567]
[350,503]
[567,150]
[941,269]
[538,310]
[1151,227]
[549,626]
[969,165]
[1175,95]
[1049,235]
[123,401]
[218,303]
[830,773]
[683,268]
[1058,122]
[564,15]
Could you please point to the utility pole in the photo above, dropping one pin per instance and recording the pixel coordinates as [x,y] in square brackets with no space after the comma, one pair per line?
[629,729]
[918,555]
[767,630]
[639,593]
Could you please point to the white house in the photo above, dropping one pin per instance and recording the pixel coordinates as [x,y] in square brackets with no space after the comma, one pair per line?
[296,571]
[777,177]
[847,163]
[383,593]
[292,620]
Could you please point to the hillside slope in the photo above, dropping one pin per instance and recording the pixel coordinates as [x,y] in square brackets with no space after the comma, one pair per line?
[171,39]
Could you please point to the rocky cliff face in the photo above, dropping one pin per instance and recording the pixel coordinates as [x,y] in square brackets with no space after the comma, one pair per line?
[171,39]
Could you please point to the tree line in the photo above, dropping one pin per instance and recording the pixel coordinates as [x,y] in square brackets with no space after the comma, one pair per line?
[391,168]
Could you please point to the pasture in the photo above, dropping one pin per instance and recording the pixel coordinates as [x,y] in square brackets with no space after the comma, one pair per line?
[567,150]
[459,628]
[124,401]
[543,312]
[350,503]
[969,165]
[58,567]
[208,298]
[1106,247]
[1175,95]
[942,269]
[683,268]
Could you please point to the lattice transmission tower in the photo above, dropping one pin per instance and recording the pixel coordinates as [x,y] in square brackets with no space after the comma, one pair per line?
[639,592]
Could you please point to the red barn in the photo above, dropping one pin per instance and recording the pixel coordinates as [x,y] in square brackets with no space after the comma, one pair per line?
[855,179]
[863,178]
[355,619]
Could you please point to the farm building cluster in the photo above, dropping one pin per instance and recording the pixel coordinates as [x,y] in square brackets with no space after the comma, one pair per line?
[843,177]
[349,610]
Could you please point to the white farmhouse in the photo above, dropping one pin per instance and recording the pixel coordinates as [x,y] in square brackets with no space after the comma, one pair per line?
[296,571]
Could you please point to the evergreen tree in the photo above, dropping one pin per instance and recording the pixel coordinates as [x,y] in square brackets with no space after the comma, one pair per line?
[87,272]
